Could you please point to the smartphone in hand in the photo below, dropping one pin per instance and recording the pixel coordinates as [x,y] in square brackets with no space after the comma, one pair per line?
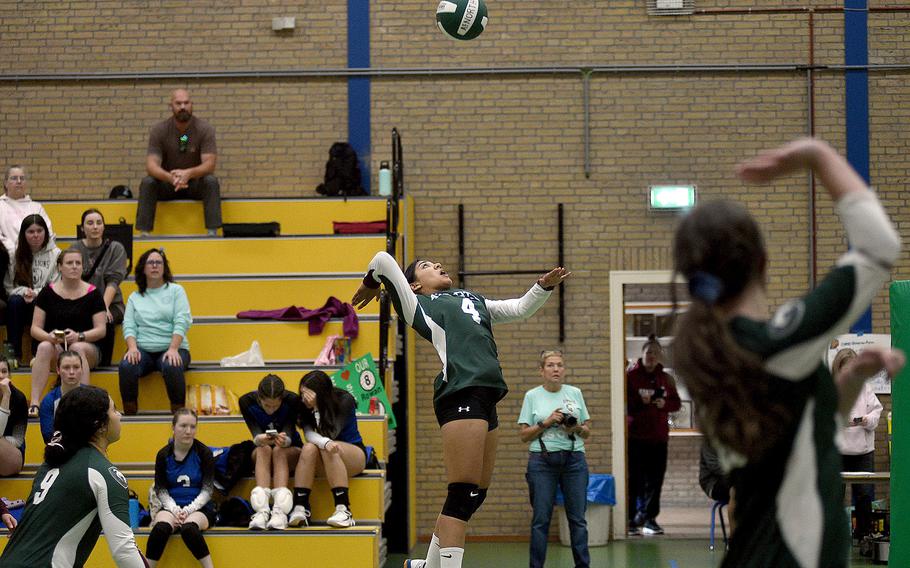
[271,433]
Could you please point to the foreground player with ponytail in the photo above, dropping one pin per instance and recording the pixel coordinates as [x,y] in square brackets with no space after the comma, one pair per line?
[77,492]
[764,398]
[459,324]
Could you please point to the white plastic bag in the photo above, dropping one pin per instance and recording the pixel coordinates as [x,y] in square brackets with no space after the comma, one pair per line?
[251,358]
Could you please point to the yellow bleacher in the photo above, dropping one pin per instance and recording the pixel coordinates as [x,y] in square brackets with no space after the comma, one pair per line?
[223,276]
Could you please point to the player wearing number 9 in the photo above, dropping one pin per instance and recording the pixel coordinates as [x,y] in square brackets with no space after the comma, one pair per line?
[77,492]
[459,325]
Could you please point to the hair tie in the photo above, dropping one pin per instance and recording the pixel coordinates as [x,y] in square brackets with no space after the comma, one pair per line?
[705,287]
[57,439]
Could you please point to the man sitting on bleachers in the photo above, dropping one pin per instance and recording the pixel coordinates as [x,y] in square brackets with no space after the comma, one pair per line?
[180,164]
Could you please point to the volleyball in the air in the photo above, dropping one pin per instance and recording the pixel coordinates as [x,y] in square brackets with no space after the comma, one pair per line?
[461,19]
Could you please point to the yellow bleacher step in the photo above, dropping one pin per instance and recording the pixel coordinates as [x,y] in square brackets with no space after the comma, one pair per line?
[215,256]
[210,341]
[222,297]
[315,547]
[367,492]
[296,216]
[142,436]
[153,396]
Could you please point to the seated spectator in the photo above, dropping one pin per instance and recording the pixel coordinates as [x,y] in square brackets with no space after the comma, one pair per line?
[104,263]
[13,419]
[69,376]
[155,324]
[180,164]
[181,499]
[270,413]
[713,481]
[34,266]
[16,205]
[334,448]
[69,314]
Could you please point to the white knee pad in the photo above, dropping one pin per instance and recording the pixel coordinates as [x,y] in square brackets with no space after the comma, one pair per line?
[259,499]
[283,499]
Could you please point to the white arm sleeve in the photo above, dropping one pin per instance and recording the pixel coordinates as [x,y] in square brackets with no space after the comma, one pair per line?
[404,299]
[118,534]
[314,437]
[167,502]
[503,311]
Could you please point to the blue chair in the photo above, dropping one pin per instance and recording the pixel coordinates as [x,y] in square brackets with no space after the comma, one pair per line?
[718,507]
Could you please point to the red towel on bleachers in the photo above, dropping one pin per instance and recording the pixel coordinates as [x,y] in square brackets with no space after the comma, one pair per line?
[333,308]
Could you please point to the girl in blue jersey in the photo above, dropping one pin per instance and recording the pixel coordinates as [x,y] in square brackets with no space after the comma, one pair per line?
[328,417]
[270,413]
[765,400]
[69,376]
[459,323]
[180,500]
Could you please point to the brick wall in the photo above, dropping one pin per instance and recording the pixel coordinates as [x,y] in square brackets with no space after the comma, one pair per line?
[509,147]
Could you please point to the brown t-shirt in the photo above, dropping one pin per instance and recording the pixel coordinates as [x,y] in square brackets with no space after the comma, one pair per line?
[164,141]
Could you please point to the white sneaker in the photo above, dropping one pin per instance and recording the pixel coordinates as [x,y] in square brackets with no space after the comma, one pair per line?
[299,516]
[341,518]
[259,521]
[278,522]
[414,563]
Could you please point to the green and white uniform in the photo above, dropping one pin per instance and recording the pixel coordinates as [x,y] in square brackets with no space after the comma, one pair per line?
[65,513]
[789,506]
[458,323]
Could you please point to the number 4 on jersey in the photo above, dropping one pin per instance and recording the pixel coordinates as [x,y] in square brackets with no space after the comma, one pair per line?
[467,306]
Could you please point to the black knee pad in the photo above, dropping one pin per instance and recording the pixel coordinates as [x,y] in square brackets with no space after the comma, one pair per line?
[480,499]
[461,501]
[194,540]
[158,540]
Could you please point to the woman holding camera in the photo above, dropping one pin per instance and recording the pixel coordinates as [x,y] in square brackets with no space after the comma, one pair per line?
[650,397]
[270,412]
[554,419]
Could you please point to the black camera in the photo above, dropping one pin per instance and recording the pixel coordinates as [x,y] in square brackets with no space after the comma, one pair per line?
[569,420]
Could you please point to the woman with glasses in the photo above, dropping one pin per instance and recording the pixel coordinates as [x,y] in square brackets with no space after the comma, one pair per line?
[555,420]
[270,412]
[69,314]
[155,324]
[459,323]
[16,205]
[34,267]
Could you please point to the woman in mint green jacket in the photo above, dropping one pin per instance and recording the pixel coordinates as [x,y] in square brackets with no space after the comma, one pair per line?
[154,327]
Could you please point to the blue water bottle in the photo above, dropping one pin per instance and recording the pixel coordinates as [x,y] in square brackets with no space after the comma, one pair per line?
[134,513]
[385,179]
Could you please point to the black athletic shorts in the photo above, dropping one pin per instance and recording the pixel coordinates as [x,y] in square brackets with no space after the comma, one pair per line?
[467,403]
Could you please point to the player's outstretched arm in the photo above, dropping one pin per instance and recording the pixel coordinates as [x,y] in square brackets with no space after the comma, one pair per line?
[502,311]
[384,269]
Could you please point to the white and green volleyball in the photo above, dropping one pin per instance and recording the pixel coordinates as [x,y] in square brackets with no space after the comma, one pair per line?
[461,19]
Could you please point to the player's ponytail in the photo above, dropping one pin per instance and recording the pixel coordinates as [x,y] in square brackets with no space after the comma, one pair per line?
[80,415]
[719,249]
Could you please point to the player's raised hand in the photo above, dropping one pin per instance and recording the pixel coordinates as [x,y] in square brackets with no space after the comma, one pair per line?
[554,277]
[770,164]
[363,296]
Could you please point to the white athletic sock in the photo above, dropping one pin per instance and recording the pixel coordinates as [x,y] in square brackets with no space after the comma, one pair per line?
[450,557]
[433,553]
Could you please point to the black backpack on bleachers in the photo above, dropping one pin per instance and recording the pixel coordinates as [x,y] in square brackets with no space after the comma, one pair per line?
[342,172]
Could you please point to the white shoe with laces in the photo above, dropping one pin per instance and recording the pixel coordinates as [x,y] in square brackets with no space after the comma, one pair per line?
[299,517]
[278,521]
[414,563]
[259,521]
[341,518]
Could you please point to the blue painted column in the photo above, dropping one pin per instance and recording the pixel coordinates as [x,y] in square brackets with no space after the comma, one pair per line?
[856,52]
[359,87]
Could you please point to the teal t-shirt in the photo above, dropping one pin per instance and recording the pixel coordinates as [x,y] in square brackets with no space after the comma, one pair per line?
[540,403]
[154,317]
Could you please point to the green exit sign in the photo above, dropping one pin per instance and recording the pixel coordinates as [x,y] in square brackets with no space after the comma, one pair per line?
[671,197]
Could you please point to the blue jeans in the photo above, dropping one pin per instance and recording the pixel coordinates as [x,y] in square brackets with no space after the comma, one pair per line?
[174,380]
[569,470]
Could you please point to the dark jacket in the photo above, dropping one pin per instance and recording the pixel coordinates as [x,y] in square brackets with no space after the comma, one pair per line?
[647,422]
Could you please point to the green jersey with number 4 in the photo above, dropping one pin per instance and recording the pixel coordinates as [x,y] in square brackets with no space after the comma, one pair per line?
[66,511]
[458,323]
